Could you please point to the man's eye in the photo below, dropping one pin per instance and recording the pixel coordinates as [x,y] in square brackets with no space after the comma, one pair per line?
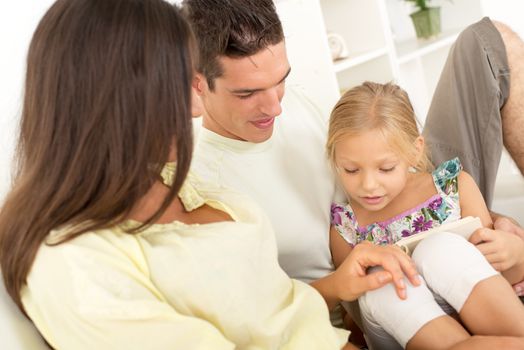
[245,96]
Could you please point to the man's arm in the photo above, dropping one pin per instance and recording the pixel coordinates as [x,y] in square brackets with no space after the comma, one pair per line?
[506,223]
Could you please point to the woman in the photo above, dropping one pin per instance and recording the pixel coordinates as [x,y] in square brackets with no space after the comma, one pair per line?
[104,244]
[101,244]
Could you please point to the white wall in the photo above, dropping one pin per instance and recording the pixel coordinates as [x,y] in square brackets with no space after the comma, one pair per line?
[509,11]
[18,20]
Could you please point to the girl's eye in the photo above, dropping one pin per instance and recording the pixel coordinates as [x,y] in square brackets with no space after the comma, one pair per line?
[387,170]
[350,171]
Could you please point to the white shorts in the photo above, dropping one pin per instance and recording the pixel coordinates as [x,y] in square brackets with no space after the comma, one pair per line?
[449,266]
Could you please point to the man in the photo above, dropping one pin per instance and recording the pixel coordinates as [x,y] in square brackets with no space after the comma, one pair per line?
[251,143]
[245,144]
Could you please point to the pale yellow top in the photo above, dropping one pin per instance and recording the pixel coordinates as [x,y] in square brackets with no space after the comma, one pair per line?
[176,286]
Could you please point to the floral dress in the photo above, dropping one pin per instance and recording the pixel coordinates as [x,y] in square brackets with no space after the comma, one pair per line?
[441,207]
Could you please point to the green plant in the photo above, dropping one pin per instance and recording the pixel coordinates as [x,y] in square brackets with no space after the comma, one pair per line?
[426,19]
[421,4]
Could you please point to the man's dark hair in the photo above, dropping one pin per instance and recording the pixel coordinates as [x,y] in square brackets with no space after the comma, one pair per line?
[231,28]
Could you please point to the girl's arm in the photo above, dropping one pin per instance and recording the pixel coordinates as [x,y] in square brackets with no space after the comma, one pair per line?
[350,280]
[503,249]
[471,201]
[340,249]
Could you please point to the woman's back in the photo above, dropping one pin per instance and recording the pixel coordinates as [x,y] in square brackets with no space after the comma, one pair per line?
[208,286]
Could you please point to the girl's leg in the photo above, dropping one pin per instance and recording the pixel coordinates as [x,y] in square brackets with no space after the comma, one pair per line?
[478,342]
[493,309]
[459,273]
[440,333]
[417,322]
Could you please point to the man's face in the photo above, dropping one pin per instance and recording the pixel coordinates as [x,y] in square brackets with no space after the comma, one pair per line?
[246,98]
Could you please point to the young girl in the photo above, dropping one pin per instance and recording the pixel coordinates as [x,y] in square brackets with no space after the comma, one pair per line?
[380,159]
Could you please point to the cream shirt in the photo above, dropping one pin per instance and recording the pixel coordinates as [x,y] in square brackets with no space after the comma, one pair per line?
[176,286]
[288,176]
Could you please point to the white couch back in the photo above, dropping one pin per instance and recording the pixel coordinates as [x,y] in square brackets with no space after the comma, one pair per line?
[16,331]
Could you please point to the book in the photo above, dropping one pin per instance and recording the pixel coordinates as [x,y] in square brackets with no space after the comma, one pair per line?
[463,227]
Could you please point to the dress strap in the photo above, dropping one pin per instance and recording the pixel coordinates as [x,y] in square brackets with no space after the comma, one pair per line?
[445,176]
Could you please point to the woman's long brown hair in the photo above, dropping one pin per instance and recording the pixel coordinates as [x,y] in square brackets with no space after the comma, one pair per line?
[107,95]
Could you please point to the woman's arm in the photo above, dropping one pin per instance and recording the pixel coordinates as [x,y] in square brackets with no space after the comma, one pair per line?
[350,280]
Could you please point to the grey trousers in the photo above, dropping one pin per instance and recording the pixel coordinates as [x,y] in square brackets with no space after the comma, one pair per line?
[464,118]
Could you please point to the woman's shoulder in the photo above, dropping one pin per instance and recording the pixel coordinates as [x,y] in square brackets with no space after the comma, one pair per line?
[96,260]
[57,251]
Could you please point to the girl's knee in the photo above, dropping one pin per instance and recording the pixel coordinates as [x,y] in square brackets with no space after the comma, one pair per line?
[383,311]
[443,252]
[451,266]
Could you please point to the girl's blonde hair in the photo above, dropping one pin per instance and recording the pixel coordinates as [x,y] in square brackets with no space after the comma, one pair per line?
[384,107]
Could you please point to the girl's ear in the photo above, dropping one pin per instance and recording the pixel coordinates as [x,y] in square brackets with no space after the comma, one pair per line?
[419,149]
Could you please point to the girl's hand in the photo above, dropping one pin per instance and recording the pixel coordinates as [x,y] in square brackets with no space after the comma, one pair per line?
[352,280]
[503,250]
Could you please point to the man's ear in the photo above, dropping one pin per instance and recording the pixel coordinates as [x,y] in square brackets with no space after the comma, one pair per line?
[199,84]
[197,108]
[197,89]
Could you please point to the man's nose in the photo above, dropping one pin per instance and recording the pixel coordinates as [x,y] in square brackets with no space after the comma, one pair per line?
[270,105]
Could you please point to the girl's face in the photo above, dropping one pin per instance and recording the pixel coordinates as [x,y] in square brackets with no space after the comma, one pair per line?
[371,171]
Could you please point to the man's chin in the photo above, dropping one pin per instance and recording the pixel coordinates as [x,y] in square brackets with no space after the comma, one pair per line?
[260,136]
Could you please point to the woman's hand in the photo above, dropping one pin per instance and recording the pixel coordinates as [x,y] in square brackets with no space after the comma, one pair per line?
[352,281]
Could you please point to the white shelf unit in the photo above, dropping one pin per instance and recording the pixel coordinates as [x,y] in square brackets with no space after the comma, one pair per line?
[382,45]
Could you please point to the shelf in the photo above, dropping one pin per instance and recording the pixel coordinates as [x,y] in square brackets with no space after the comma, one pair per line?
[352,61]
[415,48]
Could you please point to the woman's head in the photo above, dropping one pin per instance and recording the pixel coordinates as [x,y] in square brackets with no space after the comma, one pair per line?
[384,108]
[107,98]
[107,85]
[373,144]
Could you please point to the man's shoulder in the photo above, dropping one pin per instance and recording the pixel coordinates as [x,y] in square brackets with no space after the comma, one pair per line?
[296,99]
[301,112]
